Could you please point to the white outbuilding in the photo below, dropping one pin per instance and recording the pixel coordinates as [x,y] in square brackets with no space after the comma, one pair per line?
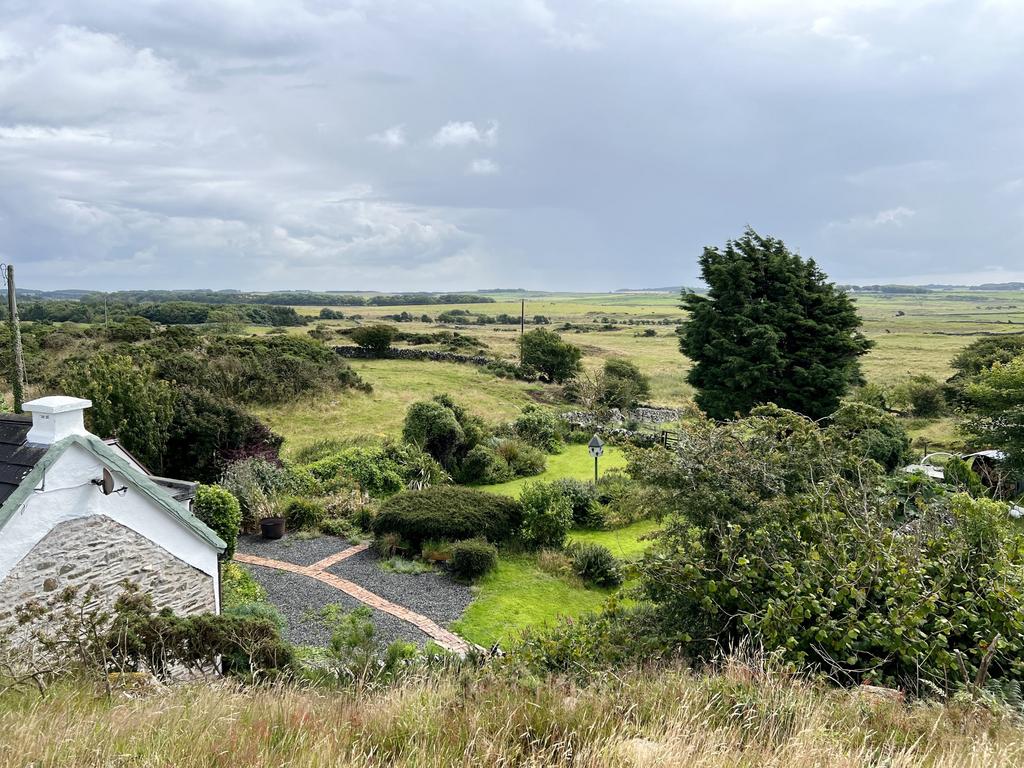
[76,510]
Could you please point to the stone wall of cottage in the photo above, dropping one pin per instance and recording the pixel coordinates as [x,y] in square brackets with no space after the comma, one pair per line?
[97,550]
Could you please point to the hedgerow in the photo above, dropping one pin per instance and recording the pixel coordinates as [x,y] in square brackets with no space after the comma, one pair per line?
[448,512]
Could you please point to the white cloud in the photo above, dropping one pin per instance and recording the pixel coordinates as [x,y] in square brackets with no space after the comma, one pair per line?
[890,217]
[483,166]
[537,13]
[461,134]
[393,137]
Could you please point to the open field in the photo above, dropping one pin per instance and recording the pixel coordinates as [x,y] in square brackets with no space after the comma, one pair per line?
[913,333]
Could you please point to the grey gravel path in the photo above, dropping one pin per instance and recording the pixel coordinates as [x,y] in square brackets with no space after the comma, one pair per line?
[435,595]
[291,549]
[295,595]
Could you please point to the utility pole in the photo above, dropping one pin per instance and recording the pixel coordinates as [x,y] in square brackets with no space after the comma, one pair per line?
[522,328]
[18,377]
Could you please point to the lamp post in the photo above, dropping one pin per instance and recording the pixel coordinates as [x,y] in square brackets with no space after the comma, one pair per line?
[596,447]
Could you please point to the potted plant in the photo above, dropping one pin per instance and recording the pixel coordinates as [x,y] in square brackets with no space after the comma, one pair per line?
[272,527]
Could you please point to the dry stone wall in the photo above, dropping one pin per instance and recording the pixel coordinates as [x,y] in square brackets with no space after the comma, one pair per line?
[97,550]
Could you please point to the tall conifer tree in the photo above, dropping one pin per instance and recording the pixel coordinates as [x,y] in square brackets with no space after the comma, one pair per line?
[771,329]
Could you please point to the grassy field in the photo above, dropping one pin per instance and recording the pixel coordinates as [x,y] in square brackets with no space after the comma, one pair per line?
[396,384]
[743,715]
[912,333]
[574,461]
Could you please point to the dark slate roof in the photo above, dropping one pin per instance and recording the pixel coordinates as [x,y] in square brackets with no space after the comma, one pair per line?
[17,458]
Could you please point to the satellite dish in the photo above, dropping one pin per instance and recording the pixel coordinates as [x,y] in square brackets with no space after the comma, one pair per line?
[108,482]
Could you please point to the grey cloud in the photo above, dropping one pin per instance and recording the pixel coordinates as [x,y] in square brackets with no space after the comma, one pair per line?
[454,145]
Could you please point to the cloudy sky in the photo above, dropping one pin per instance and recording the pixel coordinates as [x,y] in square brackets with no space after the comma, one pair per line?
[415,145]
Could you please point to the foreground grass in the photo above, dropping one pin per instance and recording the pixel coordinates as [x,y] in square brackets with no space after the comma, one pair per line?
[670,716]
[574,461]
[518,594]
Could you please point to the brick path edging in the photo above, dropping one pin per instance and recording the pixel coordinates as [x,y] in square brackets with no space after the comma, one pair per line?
[440,635]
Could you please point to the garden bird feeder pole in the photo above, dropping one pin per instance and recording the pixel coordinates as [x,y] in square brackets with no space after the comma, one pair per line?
[596,447]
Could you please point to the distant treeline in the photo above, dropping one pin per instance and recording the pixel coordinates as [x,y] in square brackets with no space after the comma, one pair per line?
[295,298]
[899,289]
[932,288]
[165,313]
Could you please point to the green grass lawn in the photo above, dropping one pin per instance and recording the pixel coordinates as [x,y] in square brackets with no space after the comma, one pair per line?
[574,461]
[517,594]
[625,543]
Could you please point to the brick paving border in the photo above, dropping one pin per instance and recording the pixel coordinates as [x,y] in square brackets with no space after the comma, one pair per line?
[440,635]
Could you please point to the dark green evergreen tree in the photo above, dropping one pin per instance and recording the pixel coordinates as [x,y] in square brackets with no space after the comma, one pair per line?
[771,329]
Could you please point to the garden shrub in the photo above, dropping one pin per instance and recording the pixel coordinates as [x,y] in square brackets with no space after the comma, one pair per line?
[238,587]
[473,558]
[216,507]
[547,516]
[448,512]
[253,481]
[595,564]
[433,427]
[387,544]
[582,497]
[303,514]
[539,428]
[524,460]
[334,526]
[958,472]
[483,465]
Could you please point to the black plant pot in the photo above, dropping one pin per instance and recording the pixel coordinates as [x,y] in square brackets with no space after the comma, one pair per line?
[272,527]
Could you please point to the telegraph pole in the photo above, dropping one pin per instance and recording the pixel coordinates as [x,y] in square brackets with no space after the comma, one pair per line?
[18,378]
[522,328]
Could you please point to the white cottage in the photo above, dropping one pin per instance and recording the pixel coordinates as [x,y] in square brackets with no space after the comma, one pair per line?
[77,510]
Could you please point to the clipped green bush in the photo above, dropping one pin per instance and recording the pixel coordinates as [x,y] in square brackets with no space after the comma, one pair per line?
[216,507]
[448,512]
[303,514]
[595,564]
[375,338]
[473,558]
[483,465]
[547,516]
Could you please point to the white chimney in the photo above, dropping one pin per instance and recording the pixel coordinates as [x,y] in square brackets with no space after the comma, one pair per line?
[56,417]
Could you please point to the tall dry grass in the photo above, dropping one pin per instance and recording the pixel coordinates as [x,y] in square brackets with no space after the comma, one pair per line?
[741,716]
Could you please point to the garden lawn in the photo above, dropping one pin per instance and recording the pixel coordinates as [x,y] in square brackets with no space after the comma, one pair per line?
[574,461]
[518,594]
[625,543]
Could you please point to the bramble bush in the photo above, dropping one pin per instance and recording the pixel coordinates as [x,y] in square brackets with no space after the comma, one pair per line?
[448,512]
[540,428]
[523,460]
[782,532]
[582,498]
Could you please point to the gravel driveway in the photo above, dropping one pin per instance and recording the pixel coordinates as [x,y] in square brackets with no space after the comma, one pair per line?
[292,549]
[435,595]
[296,595]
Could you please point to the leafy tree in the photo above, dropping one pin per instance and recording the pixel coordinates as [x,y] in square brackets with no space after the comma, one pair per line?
[770,330]
[128,402]
[376,338]
[623,385]
[994,401]
[544,350]
[216,507]
[207,433]
[982,354]
[872,433]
